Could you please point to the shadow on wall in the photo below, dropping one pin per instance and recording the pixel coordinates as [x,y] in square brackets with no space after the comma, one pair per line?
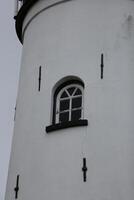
[128,26]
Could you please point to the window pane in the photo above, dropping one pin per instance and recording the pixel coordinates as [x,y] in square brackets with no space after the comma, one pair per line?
[64,117]
[64,95]
[78,92]
[64,105]
[71,90]
[75,115]
[77,102]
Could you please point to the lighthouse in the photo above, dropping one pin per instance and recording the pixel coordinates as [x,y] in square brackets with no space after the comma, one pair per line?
[73,130]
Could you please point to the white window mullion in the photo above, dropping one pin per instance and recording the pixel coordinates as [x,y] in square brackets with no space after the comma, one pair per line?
[74,91]
[82,110]
[70,109]
[58,111]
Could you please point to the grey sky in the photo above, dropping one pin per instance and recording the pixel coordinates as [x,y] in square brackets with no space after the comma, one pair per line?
[10,54]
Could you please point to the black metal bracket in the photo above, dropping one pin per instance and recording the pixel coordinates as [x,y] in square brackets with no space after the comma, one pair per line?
[84,169]
[16,189]
[102,65]
[39,86]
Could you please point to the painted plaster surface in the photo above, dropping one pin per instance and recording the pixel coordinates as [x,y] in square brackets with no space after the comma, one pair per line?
[67,40]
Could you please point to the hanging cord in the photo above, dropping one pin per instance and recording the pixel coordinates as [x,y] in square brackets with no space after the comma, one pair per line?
[84,142]
[83,154]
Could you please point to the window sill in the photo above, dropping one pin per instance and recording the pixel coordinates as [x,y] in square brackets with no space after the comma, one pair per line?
[55,127]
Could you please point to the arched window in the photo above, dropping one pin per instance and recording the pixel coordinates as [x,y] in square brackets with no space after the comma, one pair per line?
[69,103]
[68,106]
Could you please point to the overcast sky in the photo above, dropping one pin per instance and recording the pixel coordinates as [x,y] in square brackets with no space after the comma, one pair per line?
[10,55]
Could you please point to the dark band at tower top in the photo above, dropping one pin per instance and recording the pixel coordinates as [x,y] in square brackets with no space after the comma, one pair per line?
[20,14]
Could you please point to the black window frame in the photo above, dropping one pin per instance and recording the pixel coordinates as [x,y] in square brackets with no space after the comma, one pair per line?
[57,126]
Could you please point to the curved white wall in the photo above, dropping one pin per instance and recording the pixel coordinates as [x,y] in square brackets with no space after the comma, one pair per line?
[68,39]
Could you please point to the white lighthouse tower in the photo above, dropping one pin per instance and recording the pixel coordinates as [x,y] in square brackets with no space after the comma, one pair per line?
[74,122]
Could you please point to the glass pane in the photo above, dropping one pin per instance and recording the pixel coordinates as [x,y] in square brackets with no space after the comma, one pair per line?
[64,105]
[64,117]
[71,90]
[78,92]
[64,95]
[75,115]
[77,102]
